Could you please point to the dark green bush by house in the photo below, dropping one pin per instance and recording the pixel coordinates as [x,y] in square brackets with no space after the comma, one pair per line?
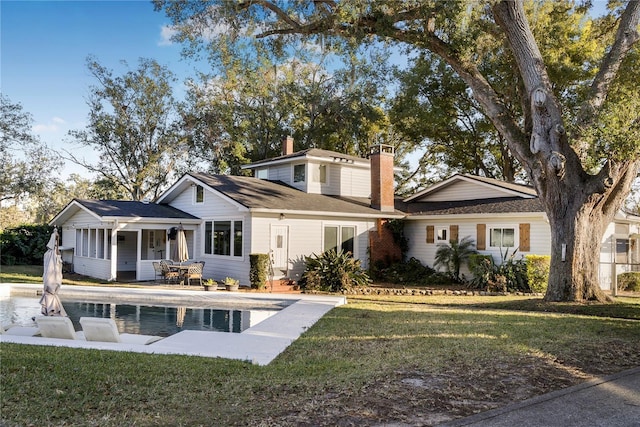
[25,244]
[629,281]
[411,272]
[259,269]
[508,276]
[333,272]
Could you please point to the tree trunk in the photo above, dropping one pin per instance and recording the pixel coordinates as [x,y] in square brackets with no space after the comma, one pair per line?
[576,237]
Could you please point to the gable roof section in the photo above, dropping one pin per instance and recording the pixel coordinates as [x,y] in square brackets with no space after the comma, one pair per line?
[261,195]
[115,209]
[317,153]
[504,189]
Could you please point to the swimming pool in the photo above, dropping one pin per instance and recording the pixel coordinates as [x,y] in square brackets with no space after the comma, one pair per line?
[142,318]
[259,344]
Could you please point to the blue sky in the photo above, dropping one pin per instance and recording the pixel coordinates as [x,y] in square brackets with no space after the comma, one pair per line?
[43,51]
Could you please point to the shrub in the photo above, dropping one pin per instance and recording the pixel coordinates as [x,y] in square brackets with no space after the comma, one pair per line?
[411,272]
[629,282]
[333,272]
[455,255]
[24,245]
[538,272]
[259,267]
[509,276]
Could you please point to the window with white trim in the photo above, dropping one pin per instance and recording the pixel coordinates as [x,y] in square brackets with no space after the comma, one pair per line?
[199,194]
[223,237]
[502,237]
[339,238]
[93,243]
[299,173]
[442,234]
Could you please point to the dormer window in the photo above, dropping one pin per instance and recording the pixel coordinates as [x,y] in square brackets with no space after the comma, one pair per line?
[199,196]
[322,169]
[299,173]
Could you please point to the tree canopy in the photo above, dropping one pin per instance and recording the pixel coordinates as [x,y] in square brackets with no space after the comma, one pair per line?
[134,126]
[565,106]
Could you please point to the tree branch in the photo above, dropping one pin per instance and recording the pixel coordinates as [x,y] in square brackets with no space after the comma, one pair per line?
[626,36]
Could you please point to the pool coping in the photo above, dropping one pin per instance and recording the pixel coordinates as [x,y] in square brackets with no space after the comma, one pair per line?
[259,344]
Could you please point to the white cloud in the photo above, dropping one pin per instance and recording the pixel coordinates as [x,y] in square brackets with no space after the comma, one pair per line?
[52,126]
[166,33]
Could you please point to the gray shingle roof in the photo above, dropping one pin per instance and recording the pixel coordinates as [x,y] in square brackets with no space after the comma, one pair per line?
[477,206]
[255,193]
[132,209]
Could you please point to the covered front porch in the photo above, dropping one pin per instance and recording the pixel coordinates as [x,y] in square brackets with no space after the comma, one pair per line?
[126,252]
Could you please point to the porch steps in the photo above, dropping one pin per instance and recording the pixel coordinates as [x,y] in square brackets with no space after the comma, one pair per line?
[282,287]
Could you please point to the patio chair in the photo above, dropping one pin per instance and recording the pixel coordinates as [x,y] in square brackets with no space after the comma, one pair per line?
[157,268]
[194,272]
[106,330]
[169,274]
[19,330]
[57,327]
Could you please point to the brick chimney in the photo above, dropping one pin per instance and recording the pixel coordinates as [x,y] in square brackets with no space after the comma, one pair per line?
[287,145]
[382,191]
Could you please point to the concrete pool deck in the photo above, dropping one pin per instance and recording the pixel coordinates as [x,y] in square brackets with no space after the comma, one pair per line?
[259,344]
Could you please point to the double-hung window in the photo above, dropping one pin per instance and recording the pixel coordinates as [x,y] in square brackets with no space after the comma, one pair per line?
[502,237]
[339,238]
[223,237]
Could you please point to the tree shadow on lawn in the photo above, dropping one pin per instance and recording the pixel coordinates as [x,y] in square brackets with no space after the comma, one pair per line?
[618,309]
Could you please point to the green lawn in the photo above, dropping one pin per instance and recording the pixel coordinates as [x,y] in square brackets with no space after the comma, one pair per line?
[412,360]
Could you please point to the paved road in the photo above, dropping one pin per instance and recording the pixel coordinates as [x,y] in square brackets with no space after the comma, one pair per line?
[612,401]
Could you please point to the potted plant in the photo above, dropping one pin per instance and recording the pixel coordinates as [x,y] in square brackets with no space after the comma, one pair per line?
[210,285]
[231,284]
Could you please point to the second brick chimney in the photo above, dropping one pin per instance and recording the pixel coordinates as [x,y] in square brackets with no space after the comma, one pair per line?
[287,145]
[382,189]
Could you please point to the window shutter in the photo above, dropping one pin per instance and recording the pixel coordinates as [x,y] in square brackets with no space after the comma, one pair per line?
[525,240]
[481,237]
[453,233]
[430,233]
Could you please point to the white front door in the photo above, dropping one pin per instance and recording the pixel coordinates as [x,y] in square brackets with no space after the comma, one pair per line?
[280,248]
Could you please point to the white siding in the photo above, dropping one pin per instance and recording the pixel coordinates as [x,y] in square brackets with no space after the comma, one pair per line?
[463,190]
[354,182]
[306,238]
[415,230]
[281,173]
[98,268]
[215,207]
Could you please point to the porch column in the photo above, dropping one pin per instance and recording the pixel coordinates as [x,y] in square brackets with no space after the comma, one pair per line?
[139,254]
[113,273]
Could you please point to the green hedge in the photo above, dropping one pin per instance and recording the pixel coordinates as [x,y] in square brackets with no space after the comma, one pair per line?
[258,270]
[629,282]
[527,274]
[24,245]
[538,272]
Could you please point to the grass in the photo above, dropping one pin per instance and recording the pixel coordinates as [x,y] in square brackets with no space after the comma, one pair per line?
[404,360]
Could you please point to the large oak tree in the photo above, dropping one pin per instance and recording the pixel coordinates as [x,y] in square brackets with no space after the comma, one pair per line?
[578,143]
[133,125]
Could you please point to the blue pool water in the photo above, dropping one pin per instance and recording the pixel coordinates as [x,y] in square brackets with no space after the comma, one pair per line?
[136,318]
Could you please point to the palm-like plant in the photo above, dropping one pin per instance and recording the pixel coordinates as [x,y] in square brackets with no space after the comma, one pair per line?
[454,255]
